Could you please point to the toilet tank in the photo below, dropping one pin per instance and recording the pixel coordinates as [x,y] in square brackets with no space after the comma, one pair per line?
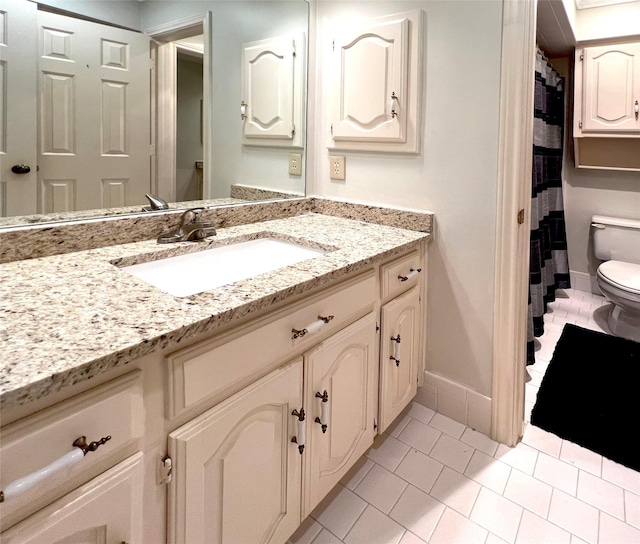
[616,238]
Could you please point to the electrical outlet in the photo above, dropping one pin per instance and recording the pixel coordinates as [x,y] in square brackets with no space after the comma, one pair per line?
[295,164]
[337,166]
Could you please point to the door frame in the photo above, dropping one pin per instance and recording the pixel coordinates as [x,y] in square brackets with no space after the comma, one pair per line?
[512,236]
[164,98]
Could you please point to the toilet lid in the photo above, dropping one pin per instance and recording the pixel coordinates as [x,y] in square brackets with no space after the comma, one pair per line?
[624,275]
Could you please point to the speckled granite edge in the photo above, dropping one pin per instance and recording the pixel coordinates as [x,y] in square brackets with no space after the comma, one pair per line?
[54,239]
[389,217]
[245,192]
[85,215]
[34,241]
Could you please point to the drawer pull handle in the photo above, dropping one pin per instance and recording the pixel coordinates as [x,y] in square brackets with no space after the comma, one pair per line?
[393,105]
[413,272]
[80,449]
[396,349]
[300,437]
[311,327]
[322,420]
[636,109]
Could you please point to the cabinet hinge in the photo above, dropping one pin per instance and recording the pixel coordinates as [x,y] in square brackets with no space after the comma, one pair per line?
[293,129]
[164,470]
[331,128]
[377,327]
[580,124]
[152,63]
[294,48]
[152,150]
[581,56]
[375,424]
[333,45]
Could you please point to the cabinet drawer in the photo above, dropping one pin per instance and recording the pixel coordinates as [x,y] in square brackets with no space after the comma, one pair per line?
[218,367]
[113,409]
[401,274]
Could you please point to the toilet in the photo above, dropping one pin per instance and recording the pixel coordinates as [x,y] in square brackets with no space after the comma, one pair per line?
[616,241]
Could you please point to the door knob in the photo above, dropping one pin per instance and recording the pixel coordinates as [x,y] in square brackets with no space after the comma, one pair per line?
[20,169]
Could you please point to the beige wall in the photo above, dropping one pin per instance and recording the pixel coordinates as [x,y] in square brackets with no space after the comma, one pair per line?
[455,175]
[607,22]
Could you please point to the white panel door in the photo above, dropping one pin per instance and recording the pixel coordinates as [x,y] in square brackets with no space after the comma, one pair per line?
[106,510]
[268,89]
[93,115]
[611,88]
[370,82]
[236,472]
[18,192]
[399,355]
[345,366]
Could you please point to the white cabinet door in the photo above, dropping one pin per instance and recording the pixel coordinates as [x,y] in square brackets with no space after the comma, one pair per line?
[345,366]
[18,191]
[399,355]
[371,64]
[93,115]
[107,510]
[272,81]
[611,88]
[375,84]
[236,472]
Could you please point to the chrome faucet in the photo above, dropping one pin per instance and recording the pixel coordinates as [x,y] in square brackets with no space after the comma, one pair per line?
[190,228]
[155,203]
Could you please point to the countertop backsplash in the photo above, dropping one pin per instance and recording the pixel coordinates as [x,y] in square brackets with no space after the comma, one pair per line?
[42,240]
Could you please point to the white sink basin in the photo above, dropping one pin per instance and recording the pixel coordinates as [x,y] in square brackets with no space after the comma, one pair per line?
[193,273]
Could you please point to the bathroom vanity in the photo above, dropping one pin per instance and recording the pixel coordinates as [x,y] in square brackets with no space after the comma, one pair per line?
[230,413]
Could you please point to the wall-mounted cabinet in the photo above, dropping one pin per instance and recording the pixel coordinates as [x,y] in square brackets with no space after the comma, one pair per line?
[271,108]
[375,85]
[607,106]
[610,89]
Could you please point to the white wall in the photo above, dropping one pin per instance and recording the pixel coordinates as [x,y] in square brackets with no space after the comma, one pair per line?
[608,21]
[454,176]
[120,12]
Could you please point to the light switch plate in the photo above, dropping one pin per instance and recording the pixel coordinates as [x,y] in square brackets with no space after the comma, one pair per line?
[295,164]
[337,166]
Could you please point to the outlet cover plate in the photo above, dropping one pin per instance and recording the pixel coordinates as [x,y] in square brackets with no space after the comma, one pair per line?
[295,164]
[337,167]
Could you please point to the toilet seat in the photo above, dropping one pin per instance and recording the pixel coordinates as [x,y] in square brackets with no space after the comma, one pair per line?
[624,276]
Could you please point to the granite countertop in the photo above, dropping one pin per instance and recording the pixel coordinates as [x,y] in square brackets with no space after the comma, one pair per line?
[66,318]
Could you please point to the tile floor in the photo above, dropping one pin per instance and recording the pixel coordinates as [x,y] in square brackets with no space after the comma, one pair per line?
[431,479]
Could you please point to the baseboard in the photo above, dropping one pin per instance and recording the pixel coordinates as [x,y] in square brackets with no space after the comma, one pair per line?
[581,281]
[456,401]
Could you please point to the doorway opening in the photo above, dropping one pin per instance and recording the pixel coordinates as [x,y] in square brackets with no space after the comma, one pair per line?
[182,108]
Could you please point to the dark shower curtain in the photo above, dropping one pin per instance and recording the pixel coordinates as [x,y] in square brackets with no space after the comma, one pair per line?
[549,266]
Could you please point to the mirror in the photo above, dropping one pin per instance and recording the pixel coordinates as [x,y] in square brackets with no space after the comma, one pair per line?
[225,167]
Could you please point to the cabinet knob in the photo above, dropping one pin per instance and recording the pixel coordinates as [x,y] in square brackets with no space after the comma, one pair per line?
[393,105]
[311,327]
[322,420]
[300,437]
[80,449]
[412,273]
[396,349]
